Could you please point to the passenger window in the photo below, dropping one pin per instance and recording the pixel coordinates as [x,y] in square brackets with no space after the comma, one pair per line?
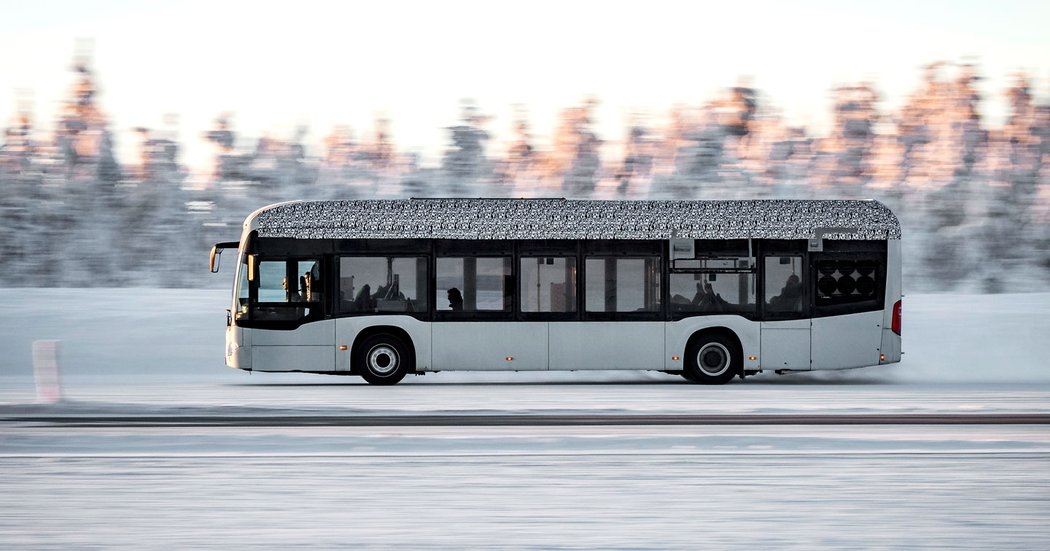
[474,284]
[382,284]
[548,284]
[622,284]
[714,292]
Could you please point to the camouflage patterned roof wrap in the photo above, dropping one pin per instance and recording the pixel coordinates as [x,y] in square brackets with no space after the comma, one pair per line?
[571,219]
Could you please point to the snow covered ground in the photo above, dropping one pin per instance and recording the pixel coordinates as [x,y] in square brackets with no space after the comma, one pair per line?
[158,354]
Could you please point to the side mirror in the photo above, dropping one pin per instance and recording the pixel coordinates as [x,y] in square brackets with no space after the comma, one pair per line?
[213,259]
[216,250]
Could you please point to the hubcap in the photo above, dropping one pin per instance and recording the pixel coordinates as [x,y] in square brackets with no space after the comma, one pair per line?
[713,359]
[382,359]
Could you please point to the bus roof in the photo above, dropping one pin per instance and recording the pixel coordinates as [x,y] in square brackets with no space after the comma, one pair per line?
[576,219]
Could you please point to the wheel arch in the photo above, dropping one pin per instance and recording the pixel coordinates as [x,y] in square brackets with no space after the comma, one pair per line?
[379,329]
[726,332]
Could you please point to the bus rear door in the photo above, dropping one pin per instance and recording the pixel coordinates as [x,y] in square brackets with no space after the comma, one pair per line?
[786,325]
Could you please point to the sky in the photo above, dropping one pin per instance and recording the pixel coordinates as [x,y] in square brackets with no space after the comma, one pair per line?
[278,65]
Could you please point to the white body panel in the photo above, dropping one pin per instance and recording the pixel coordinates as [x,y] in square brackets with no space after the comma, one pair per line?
[606,345]
[485,346]
[786,345]
[309,347]
[839,342]
[852,340]
[293,358]
[679,332]
[347,330]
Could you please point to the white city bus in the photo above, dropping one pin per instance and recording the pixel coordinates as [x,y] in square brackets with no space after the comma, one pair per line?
[710,290]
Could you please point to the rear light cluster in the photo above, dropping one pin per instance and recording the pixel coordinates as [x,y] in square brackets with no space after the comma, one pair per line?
[896,318]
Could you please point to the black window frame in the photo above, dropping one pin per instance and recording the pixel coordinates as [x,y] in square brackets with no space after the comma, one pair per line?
[454,248]
[422,315]
[714,249]
[329,251]
[794,247]
[625,249]
[556,248]
[318,310]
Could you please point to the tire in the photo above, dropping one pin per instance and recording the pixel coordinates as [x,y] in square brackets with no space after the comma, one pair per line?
[712,360]
[382,359]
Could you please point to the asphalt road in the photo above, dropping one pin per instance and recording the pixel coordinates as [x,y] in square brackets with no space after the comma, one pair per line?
[523,420]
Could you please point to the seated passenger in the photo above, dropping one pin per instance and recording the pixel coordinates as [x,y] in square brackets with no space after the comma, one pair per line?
[313,284]
[699,296]
[711,301]
[304,287]
[363,302]
[455,300]
[790,297]
[293,296]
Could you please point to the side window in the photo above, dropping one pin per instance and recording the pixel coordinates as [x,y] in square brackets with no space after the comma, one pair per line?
[474,284]
[708,291]
[712,276]
[382,284]
[783,283]
[548,284]
[622,284]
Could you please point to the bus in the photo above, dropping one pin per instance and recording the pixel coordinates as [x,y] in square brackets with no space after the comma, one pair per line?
[709,290]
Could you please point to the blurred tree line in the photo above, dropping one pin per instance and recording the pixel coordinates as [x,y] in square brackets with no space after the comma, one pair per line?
[974,201]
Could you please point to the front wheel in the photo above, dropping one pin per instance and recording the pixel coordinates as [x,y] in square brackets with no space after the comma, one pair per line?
[382,359]
[712,360]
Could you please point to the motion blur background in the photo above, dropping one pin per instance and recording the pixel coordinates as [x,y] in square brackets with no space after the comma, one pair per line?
[138,135]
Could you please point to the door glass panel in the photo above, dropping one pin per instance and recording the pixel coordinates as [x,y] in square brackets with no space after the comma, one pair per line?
[783,282]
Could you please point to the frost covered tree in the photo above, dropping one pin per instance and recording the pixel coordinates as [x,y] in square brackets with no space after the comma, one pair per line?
[464,161]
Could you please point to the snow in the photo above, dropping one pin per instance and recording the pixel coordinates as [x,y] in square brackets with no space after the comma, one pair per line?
[176,336]
[151,352]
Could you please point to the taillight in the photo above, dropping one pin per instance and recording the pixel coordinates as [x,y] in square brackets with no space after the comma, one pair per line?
[896,318]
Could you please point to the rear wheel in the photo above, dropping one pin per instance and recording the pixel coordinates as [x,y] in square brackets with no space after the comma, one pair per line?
[382,359]
[712,360]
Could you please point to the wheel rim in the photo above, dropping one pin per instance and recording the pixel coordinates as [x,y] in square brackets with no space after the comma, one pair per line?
[382,360]
[713,359]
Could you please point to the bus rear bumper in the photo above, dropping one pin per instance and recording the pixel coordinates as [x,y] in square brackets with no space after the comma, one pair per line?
[890,351]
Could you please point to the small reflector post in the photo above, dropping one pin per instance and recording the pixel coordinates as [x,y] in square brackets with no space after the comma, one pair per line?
[675,358]
[342,347]
[882,357]
[752,358]
[509,358]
